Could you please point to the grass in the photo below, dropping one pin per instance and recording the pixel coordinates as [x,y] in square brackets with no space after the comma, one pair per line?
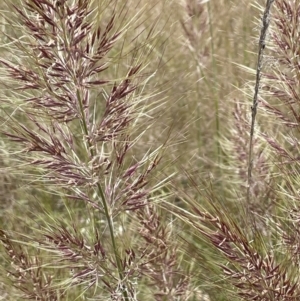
[149,150]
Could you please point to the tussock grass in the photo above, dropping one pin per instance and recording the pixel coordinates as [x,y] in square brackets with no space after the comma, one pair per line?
[149,150]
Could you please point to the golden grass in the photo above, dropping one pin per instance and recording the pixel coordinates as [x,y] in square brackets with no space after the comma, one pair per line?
[188,69]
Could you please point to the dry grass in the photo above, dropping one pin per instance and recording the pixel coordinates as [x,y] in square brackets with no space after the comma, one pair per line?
[133,165]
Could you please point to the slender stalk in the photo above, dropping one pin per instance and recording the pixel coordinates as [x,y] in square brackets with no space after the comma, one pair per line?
[104,202]
[216,101]
[261,48]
